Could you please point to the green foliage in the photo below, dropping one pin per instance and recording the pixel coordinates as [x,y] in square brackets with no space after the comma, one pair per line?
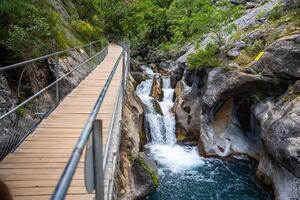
[35,24]
[21,112]
[194,18]
[254,49]
[86,30]
[260,15]
[275,13]
[150,172]
[244,59]
[204,58]
[143,22]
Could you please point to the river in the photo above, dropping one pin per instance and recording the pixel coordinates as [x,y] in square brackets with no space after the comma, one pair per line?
[183,174]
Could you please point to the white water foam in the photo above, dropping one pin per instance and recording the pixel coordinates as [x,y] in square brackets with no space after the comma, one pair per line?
[163,146]
[176,158]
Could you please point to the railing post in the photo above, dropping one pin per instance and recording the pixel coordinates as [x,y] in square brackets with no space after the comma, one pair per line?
[123,69]
[98,160]
[57,77]
[90,50]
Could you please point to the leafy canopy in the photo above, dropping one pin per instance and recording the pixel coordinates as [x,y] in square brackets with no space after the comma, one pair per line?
[204,58]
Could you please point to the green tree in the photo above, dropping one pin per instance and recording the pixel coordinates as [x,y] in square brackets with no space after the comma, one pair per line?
[204,58]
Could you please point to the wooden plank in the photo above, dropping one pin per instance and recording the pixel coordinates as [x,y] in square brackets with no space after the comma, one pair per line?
[40,183]
[33,170]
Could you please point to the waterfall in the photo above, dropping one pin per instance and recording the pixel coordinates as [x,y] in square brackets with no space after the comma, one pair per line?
[163,147]
[183,174]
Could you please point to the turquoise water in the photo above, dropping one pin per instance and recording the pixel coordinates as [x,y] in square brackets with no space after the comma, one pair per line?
[230,179]
[183,174]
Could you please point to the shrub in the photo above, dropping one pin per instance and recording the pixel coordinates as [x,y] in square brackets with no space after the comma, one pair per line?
[275,13]
[86,30]
[243,59]
[254,49]
[37,35]
[204,58]
[260,15]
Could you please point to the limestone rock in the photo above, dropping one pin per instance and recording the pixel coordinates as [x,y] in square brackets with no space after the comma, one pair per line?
[186,109]
[220,86]
[177,73]
[156,89]
[233,52]
[167,64]
[133,137]
[281,59]
[145,176]
[280,163]
[296,88]
[139,76]
[237,2]
[133,117]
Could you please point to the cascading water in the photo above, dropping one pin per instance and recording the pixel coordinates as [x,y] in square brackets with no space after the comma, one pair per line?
[183,173]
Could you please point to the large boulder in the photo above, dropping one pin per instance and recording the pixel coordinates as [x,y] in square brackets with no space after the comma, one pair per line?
[145,176]
[281,59]
[139,76]
[133,117]
[296,87]
[280,161]
[234,132]
[177,73]
[156,89]
[186,109]
[8,98]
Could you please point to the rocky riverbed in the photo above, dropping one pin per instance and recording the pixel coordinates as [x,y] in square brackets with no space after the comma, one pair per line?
[221,113]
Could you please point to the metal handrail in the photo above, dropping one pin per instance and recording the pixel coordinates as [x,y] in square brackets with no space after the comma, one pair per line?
[68,173]
[112,125]
[13,66]
[50,85]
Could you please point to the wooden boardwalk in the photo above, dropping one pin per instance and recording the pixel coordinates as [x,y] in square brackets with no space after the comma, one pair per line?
[33,170]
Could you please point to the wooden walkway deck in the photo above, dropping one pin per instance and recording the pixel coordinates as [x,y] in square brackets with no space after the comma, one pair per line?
[33,170]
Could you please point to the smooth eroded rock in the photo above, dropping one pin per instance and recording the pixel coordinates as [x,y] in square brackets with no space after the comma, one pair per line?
[281,59]
[222,85]
[280,160]
[145,176]
[156,89]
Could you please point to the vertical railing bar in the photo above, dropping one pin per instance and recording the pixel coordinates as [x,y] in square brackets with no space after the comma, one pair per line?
[98,160]
[56,66]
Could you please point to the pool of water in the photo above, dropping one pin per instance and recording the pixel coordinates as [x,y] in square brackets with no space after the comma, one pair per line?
[183,174]
[205,178]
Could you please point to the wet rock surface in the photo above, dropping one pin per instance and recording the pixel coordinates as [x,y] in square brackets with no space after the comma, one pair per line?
[254,114]
[156,90]
[144,173]
[138,173]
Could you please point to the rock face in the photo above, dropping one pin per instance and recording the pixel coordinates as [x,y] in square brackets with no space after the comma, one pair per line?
[236,112]
[139,76]
[281,59]
[220,87]
[186,109]
[144,173]
[296,88]
[241,23]
[138,175]
[177,73]
[280,161]
[8,98]
[156,89]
